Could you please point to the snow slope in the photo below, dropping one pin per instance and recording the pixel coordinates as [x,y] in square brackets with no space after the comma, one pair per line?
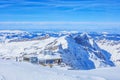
[113,47]
[81,52]
[10,70]
[110,43]
[78,51]
[14,49]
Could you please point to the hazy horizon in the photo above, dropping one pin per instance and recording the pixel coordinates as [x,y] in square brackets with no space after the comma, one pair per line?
[80,15]
[61,26]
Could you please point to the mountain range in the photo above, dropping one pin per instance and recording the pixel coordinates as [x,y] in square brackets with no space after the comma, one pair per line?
[78,50]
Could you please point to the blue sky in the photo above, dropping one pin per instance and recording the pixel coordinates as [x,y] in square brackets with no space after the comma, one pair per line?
[80,13]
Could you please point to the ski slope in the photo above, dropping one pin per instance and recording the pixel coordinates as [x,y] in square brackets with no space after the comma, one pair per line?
[10,70]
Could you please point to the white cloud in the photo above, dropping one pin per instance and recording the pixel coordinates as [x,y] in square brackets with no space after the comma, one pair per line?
[72,5]
[63,22]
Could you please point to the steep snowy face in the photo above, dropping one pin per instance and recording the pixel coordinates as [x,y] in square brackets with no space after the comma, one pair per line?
[110,43]
[83,53]
[82,39]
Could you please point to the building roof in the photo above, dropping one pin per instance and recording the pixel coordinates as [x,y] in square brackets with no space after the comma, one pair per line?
[49,57]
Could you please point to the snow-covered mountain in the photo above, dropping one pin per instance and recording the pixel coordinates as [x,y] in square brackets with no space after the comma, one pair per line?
[81,52]
[78,50]
[110,43]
